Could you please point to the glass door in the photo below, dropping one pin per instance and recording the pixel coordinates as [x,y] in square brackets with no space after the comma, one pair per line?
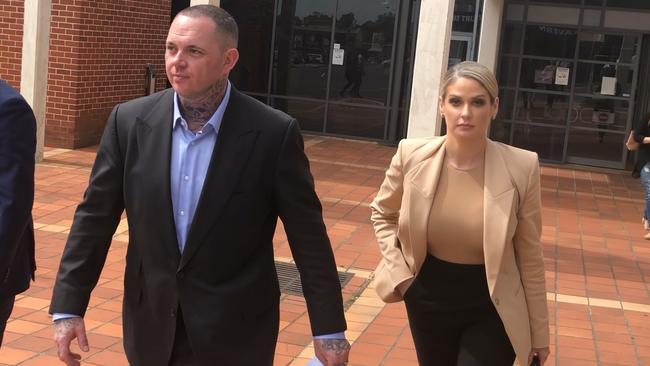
[603,100]
[460,48]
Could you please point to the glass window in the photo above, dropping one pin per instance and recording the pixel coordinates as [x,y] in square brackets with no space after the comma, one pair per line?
[464,12]
[508,71]
[255,20]
[542,108]
[511,38]
[547,142]
[607,47]
[557,1]
[500,131]
[302,48]
[356,121]
[594,2]
[602,113]
[550,41]
[600,145]
[604,79]
[365,35]
[309,114]
[546,74]
[506,104]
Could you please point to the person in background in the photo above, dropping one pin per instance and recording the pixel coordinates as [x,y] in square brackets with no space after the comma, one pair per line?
[458,222]
[639,140]
[17,149]
[203,173]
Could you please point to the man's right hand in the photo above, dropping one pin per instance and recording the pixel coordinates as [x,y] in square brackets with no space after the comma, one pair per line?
[65,330]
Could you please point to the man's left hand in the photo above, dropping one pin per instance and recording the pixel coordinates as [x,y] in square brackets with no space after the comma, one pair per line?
[332,352]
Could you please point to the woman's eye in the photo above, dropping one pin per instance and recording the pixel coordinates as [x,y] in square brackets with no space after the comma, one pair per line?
[479,102]
[454,102]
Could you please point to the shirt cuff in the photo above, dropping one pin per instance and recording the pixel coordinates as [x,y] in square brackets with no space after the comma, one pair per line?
[339,335]
[59,316]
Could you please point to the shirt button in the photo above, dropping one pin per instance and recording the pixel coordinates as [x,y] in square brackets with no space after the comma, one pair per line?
[173,313]
[496,301]
[186,177]
[182,213]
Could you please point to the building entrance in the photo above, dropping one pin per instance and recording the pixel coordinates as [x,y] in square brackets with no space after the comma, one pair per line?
[335,65]
[569,76]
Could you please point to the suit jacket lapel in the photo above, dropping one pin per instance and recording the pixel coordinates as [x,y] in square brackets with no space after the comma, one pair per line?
[425,182]
[154,132]
[498,196]
[234,144]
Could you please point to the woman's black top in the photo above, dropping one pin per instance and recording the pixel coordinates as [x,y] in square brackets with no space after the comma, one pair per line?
[642,130]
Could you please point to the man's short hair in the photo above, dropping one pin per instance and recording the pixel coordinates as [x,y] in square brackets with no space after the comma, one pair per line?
[225,23]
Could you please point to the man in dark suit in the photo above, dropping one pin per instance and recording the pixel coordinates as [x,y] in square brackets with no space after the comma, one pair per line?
[203,172]
[17,148]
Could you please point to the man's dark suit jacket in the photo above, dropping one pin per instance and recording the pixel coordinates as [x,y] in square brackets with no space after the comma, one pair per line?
[17,148]
[225,279]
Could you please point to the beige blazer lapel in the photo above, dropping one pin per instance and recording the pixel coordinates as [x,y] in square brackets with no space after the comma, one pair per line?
[424,182]
[498,196]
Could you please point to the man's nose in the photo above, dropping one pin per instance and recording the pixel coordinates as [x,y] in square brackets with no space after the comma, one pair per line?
[178,60]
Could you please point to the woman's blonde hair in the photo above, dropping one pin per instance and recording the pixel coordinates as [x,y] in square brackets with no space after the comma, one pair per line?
[472,70]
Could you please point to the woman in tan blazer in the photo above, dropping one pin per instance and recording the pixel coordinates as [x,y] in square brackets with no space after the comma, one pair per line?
[458,221]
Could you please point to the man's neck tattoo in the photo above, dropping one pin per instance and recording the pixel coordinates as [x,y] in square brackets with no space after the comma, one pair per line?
[197,111]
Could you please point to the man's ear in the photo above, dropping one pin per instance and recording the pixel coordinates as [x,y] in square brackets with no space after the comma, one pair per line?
[232,56]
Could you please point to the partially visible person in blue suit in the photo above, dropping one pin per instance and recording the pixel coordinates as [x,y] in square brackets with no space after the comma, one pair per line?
[17,148]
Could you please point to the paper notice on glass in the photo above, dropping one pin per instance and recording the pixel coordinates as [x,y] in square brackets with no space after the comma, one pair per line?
[608,86]
[562,76]
[338,56]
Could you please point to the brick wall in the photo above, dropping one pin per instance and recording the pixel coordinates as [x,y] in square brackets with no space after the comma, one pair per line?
[98,53]
[11,40]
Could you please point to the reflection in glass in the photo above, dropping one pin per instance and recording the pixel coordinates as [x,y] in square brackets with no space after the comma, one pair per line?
[302,48]
[602,113]
[605,79]
[356,121]
[550,41]
[457,51]
[365,35]
[596,145]
[594,2]
[545,74]
[255,20]
[607,47]
[464,12]
[542,108]
[506,104]
[309,114]
[511,38]
[547,142]
[500,131]
[508,71]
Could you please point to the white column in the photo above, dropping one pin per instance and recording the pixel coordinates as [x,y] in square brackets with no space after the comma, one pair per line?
[488,49]
[202,2]
[33,77]
[431,57]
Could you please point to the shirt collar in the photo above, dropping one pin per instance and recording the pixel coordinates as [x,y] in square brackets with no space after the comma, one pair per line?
[217,117]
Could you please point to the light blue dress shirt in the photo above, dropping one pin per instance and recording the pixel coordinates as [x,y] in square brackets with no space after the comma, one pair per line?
[190,159]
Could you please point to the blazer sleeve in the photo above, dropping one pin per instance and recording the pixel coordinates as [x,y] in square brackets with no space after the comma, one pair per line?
[301,213]
[385,219]
[530,259]
[17,148]
[94,224]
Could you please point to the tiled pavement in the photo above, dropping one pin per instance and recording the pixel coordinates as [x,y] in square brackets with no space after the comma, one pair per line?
[597,266]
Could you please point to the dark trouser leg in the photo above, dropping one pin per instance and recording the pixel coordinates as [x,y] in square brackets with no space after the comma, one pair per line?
[6,306]
[435,335]
[485,343]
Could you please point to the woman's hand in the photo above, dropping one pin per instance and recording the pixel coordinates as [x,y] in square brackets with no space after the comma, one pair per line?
[542,353]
